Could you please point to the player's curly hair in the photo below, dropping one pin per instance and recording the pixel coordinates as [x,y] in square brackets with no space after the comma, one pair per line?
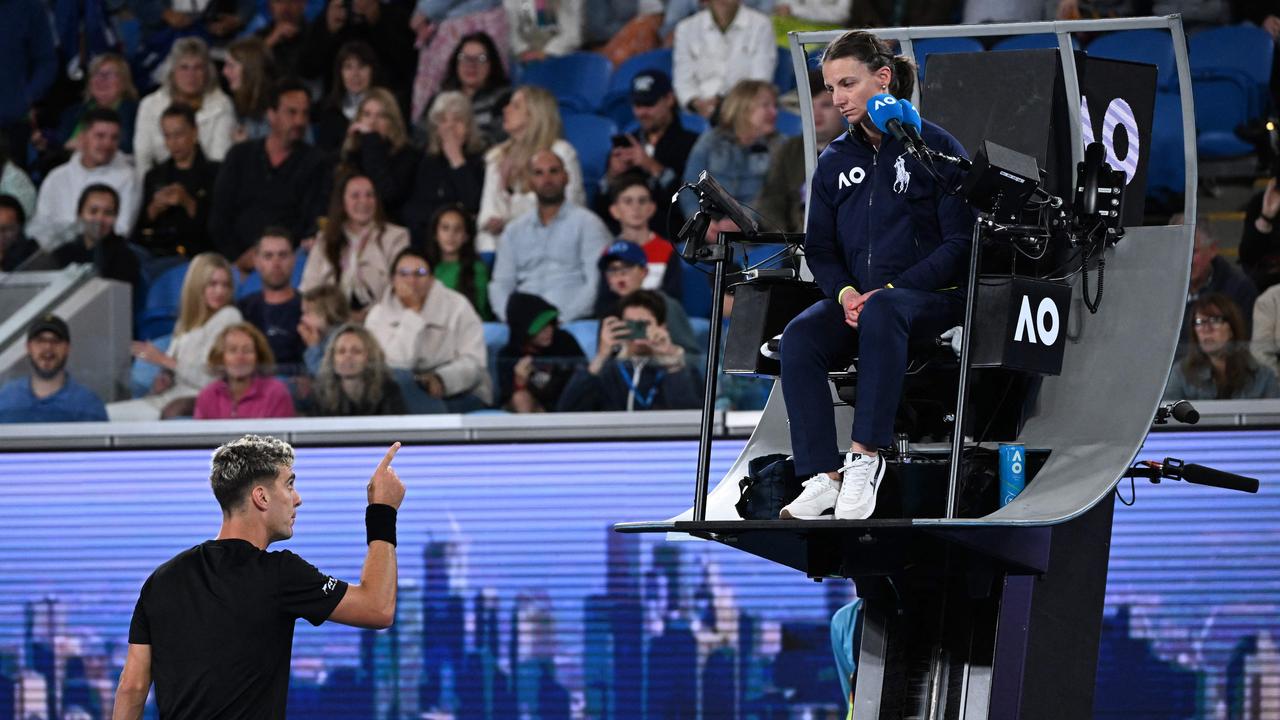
[239,464]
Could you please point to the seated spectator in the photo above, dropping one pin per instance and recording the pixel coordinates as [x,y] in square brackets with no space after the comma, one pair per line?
[324,310]
[782,198]
[242,361]
[355,71]
[283,35]
[551,251]
[96,162]
[452,170]
[377,146]
[1266,329]
[30,63]
[677,10]
[354,378]
[986,11]
[15,246]
[110,86]
[659,148]
[624,269]
[631,205]
[452,257]
[476,70]
[736,152]
[191,81]
[433,333]
[356,247]
[1218,364]
[248,71]
[533,122]
[278,180]
[640,33]
[1260,243]
[543,29]
[217,20]
[204,311]
[636,366]
[718,47]
[1212,273]
[49,394]
[97,243]
[440,25]
[538,359]
[177,193]
[15,182]
[382,27]
[276,309]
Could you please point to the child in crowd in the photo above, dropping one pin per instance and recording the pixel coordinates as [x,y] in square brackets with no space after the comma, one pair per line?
[632,205]
[451,250]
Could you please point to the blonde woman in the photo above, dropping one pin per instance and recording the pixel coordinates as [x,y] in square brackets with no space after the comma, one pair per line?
[191,81]
[377,146]
[110,86]
[355,249]
[451,172]
[205,309]
[532,123]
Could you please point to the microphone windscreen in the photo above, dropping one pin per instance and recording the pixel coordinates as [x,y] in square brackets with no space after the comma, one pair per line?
[910,116]
[1201,475]
[881,109]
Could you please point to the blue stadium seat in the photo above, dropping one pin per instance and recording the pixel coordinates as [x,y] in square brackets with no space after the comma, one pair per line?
[1222,103]
[789,123]
[160,311]
[1166,168]
[784,77]
[591,136]
[1154,47]
[578,80]
[693,123]
[1043,41]
[1243,50]
[696,289]
[496,335]
[587,333]
[941,46]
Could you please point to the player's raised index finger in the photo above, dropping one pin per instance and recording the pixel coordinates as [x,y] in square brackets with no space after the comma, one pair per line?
[391,454]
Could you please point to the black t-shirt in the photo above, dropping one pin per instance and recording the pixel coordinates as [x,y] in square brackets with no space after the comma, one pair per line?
[279,322]
[219,619]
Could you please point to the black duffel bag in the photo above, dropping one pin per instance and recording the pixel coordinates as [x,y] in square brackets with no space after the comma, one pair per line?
[769,485]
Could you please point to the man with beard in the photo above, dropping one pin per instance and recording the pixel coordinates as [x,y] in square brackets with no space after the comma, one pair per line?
[49,395]
[551,251]
[276,309]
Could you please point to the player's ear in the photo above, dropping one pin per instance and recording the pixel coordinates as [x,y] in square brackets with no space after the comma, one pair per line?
[258,496]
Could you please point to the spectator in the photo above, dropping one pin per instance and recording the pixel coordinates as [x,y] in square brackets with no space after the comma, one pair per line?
[278,180]
[624,269]
[248,72]
[1004,11]
[276,309]
[1218,364]
[96,162]
[377,146]
[452,170]
[434,334]
[677,10]
[716,48]
[476,70]
[640,30]
[355,71]
[533,122]
[177,193]
[631,205]
[28,64]
[542,29]
[15,182]
[1260,243]
[191,81]
[451,253]
[15,246]
[1266,329]
[440,25]
[204,310]
[551,251]
[217,20]
[354,378]
[97,243]
[49,394]
[538,359]
[324,310]
[636,366]
[110,86]
[782,198]
[243,362]
[737,151]
[283,35]
[1211,273]
[382,27]
[659,148]
[356,247]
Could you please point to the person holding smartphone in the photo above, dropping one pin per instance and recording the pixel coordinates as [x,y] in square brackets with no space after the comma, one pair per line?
[636,366]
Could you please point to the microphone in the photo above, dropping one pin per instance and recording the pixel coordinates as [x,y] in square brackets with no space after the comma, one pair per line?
[912,124]
[885,112]
[1201,475]
[1184,412]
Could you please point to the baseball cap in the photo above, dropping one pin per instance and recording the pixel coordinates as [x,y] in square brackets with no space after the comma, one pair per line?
[626,251]
[49,323]
[648,87]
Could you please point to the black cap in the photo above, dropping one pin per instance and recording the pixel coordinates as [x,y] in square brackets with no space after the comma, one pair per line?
[648,87]
[49,323]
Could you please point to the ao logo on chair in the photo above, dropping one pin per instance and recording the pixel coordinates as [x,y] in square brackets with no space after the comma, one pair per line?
[1043,328]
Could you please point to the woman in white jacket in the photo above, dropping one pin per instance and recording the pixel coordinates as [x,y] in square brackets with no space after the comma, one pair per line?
[192,81]
[532,122]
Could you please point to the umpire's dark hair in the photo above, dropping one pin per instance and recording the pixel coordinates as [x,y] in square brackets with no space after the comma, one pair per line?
[647,299]
[97,189]
[283,86]
[180,110]
[101,114]
[875,54]
[240,464]
[11,202]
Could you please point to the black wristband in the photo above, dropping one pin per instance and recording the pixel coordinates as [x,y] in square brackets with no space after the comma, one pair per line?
[380,523]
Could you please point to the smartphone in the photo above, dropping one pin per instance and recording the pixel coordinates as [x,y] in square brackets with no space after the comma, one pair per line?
[637,330]
[621,141]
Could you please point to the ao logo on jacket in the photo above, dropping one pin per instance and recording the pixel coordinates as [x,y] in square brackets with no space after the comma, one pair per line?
[849,178]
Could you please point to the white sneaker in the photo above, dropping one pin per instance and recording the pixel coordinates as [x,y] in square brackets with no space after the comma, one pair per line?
[818,497]
[862,476]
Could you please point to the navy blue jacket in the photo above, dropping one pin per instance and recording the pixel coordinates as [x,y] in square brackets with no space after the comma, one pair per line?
[27,59]
[877,218]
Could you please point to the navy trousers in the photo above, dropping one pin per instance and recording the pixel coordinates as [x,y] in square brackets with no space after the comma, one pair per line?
[818,341]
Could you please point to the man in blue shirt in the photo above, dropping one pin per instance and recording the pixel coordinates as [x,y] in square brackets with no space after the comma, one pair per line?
[276,309]
[49,395]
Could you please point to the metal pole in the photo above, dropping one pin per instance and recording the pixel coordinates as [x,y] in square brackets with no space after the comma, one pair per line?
[957,431]
[718,255]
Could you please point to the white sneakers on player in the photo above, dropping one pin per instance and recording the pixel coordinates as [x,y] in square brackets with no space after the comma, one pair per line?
[853,497]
